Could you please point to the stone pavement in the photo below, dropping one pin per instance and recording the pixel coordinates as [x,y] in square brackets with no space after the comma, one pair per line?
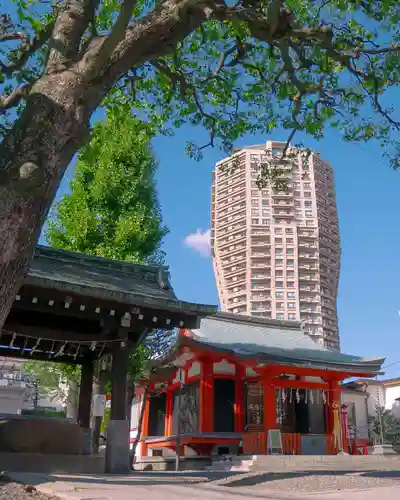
[158,486]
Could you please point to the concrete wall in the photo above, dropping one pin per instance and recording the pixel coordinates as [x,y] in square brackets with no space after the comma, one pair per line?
[40,435]
[392,393]
[52,464]
[377,396]
[360,407]
[12,397]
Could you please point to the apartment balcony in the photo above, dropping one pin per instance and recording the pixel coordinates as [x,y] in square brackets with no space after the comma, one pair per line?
[260,287]
[332,332]
[230,218]
[260,265]
[257,296]
[261,277]
[306,288]
[314,322]
[223,248]
[308,277]
[260,232]
[222,198]
[309,310]
[238,303]
[307,267]
[234,174]
[305,244]
[260,255]
[238,219]
[257,314]
[236,273]
[314,300]
[261,309]
[334,245]
[234,251]
[283,213]
[283,194]
[282,203]
[307,234]
[308,256]
[259,244]
[231,293]
[238,232]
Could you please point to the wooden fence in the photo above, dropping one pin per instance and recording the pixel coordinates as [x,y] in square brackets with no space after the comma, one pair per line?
[256,443]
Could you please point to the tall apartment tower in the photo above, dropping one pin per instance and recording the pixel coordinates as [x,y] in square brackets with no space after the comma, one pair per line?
[276,253]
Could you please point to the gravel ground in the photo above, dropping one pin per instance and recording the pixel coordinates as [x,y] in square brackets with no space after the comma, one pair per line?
[14,491]
[310,482]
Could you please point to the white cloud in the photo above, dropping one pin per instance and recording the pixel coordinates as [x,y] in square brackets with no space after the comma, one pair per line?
[199,242]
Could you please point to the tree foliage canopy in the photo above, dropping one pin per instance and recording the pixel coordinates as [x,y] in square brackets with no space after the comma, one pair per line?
[233,67]
[112,209]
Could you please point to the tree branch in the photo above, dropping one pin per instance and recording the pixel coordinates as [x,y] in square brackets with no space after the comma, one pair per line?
[117,33]
[156,33]
[13,99]
[27,49]
[6,37]
[71,23]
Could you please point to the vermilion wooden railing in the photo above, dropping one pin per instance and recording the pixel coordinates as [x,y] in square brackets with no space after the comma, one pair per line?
[255,443]
[291,444]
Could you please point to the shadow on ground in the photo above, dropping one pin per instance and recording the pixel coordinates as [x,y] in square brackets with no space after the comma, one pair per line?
[260,478]
[226,479]
[135,478]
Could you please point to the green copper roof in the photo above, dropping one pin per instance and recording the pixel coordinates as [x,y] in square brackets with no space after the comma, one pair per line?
[133,284]
[271,341]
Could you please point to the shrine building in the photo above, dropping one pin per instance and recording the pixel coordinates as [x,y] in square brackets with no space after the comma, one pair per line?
[234,378]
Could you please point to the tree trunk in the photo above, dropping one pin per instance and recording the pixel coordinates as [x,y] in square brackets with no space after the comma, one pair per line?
[72,401]
[140,423]
[33,159]
[100,388]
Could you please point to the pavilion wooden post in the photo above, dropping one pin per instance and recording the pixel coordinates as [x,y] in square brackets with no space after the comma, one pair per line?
[145,425]
[206,396]
[239,406]
[269,403]
[117,451]
[85,403]
[168,413]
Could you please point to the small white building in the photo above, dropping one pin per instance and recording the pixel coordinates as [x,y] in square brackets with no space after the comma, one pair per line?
[356,398]
[362,398]
[18,392]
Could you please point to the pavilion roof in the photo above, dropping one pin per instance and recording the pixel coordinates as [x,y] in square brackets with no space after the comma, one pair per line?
[104,279]
[272,341]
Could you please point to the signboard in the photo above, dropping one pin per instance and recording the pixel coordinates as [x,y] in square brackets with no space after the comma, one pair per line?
[274,443]
[99,405]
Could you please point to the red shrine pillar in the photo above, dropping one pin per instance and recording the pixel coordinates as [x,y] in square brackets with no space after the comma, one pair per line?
[269,403]
[168,413]
[239,407]
[206,396]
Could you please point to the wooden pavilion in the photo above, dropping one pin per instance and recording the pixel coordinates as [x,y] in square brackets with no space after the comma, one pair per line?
[238,377]
[76,309]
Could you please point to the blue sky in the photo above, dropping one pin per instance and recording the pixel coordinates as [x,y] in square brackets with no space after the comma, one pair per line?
[369,207]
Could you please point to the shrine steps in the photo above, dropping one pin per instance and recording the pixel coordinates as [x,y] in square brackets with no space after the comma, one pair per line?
[285,463]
